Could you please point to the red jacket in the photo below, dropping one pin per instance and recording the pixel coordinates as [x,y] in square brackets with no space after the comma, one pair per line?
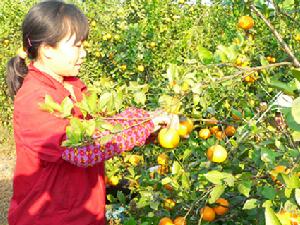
[49,190]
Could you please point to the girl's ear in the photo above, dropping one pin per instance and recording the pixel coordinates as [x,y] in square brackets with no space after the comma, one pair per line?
[46,51]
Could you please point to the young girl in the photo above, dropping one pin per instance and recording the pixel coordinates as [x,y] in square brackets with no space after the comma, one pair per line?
[54,185]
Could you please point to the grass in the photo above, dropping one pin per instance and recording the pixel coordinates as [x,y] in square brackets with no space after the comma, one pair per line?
[7,164]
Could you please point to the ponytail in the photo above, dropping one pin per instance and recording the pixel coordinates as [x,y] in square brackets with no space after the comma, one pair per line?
[16,70]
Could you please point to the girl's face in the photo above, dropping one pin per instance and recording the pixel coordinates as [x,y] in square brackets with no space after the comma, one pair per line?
[66,58]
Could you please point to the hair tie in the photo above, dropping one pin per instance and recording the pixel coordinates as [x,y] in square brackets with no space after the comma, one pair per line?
[21,53]
[29,42]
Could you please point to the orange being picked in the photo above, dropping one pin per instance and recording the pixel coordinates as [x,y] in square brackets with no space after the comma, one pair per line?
[180,220]
[204,133]
[208,214]
[246,22]
[217,153]
[230,131]
[165,221]
[168,138]
[222,207]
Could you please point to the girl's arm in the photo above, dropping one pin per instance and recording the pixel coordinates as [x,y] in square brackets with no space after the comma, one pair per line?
[135,133]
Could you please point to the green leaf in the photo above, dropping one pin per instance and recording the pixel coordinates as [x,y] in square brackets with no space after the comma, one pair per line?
[105,125]
[185,179]
[270,216]
[296,73]
[268,155]
[290,119]
[291,180]
[296,135]
[67,106]
[92,102]
[130,221]
[105,100]
[90,126]
[50,105]
[287,88]
[121,197]
[117,128]
[296,110]
[250,204]
[216,192]
[176,168]
[268,192]
[105,139]
[217,177]
[140,97]
[204,55]
[244,187]
[154,205]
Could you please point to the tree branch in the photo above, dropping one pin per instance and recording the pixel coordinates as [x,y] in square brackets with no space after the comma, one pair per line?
[284,45]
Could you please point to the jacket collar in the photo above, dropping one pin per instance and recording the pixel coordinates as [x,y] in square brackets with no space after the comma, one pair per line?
[50,81]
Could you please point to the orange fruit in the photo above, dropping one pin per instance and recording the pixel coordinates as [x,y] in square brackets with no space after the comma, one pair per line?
[183,130]
[297,37]
[208,214]
[169,203]
[230,131]
[114,180]
[168,187]
[180,220]
[217,153]
[209,153]
[271,59]
[162,169]
[152,44]
[246,22]
[220,135]
[168,138]
[134,159]
[162,159]
[140,68]
[188,123]
[204,133]
[222,208]
[214,129]
[165,221]
[123,67]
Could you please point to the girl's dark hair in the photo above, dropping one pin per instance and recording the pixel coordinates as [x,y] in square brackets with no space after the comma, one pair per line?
[47,23]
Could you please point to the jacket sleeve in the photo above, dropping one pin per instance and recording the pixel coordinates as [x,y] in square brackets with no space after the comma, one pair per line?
[136,131]
[36,131]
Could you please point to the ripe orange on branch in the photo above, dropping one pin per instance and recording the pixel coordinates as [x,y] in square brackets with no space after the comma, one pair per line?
[246,22]
[204,133]
[168,138]
[230,131]
[208,214]
[186,126]
[169,204]
[223,206]
[180,220]
[162,159]
[217,153]
[165,221]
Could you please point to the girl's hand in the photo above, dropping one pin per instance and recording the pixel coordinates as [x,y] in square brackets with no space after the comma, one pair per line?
[161,118]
